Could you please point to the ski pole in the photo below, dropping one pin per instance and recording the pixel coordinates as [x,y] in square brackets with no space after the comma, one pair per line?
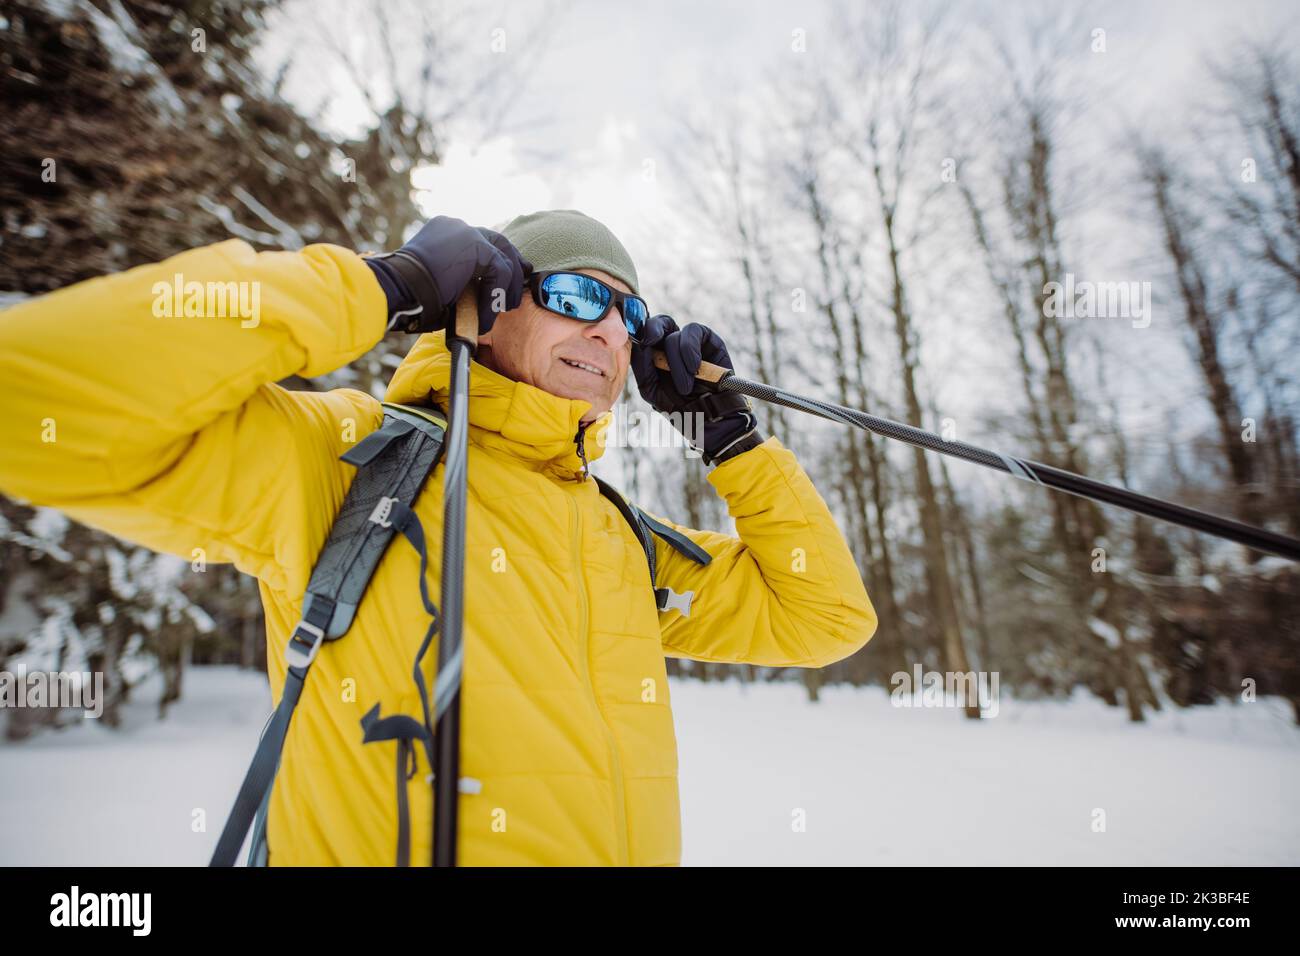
[462,340]
[1260,539]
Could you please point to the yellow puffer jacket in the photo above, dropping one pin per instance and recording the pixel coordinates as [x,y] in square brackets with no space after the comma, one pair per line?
[170,432]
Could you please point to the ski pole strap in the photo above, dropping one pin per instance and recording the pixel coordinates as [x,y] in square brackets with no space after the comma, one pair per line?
[304,643]
[715,406]
[423,289]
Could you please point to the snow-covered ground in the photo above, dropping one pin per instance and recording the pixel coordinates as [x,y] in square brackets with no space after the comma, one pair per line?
[873,784]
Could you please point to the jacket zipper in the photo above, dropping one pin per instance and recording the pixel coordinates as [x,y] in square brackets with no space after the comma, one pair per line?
[580,440]
[616,763]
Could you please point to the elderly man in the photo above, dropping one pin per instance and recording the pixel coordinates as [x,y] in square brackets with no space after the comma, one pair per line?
[169,430]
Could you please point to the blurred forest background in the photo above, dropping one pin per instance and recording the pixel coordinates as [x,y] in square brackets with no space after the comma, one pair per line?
[874,224]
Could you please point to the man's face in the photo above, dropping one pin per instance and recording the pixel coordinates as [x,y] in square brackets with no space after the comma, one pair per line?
[542,349]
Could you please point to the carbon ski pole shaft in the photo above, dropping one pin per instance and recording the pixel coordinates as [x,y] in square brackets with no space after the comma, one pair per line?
[462,338]
[1261,539]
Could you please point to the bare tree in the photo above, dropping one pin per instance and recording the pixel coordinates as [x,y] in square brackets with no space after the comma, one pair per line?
[894,70]
[860,476]
[1206,325]
[1022,254]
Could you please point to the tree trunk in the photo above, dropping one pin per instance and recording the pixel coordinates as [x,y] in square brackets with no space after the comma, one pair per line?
[938,581]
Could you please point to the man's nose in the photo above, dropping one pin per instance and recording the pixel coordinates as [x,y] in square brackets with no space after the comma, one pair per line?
[610,330]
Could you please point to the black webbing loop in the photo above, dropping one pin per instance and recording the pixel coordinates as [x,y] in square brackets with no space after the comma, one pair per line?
[403,729]
[369,448]
[404,520]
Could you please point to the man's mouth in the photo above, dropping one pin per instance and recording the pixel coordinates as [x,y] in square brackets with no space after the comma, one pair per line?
[594,370]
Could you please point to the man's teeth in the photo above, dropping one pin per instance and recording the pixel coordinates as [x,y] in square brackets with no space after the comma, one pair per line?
[585,367]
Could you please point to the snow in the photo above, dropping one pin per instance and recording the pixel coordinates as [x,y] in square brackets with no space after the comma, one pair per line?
[49,524]
[876,784]
[91,796]
[288,237]
[125,47]
[879,785]
[1106,632]
[232,225]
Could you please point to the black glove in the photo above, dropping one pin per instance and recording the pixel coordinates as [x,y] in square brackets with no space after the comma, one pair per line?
[729,423]
[424,278]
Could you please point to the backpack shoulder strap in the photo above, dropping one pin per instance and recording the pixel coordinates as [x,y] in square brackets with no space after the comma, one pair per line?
[393,463]
[646,528]
[676,540]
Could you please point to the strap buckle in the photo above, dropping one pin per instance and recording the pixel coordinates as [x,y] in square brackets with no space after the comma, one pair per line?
[295,655]
[383,508]
[669,600]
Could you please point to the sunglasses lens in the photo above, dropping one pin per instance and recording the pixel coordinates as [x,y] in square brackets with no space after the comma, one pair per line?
[635,317]
[576,296]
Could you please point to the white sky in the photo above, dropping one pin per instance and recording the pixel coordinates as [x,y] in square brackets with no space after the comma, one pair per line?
[603,100]
[598,112]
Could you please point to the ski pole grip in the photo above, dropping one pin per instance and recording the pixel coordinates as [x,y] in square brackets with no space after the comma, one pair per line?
[465,325]
[707,372]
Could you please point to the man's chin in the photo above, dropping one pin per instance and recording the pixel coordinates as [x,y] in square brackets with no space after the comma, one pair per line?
[568,391]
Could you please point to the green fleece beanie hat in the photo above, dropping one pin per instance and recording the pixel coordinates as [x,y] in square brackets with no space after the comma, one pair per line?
[566,239]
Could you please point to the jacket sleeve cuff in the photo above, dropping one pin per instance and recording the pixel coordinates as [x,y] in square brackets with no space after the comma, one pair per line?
[737,446]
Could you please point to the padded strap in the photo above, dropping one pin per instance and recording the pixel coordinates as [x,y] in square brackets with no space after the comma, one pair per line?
[391,474]
[393,465]
[261,772]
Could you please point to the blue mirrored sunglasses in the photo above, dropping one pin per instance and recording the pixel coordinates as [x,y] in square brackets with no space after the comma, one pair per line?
[586,299]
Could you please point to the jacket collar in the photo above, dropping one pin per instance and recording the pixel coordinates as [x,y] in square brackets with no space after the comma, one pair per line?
[516,419]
